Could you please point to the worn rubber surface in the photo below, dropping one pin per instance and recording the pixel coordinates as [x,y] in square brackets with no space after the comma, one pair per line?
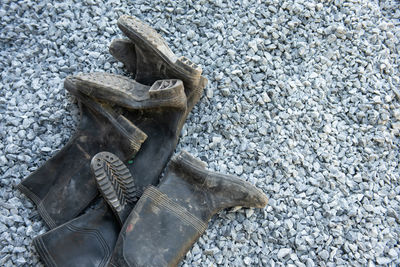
[127,93]
[145,36]
[115,183]
[148,57]
[63,186]
[87,240]
[169,219]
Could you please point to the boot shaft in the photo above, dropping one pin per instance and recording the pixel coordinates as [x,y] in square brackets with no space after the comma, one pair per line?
[63,186]
[88,240]
[158,232]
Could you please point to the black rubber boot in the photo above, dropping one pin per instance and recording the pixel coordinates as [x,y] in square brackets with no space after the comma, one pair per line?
[158,110]
[168,220]
[86,241]
[154,59]
[63,187]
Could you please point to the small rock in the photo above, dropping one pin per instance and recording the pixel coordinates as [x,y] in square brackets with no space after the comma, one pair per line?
[249,213]
[19,249]
[20,261]
[324,254]
[45,149]
[238,170]
[265,97]
[393,253]
[289,224]
[247,261]
[257,77]
[190,34]
[253,45]
[225,91]
[340,31]
[235,32]
[309,263]
[283,252]
[383,260]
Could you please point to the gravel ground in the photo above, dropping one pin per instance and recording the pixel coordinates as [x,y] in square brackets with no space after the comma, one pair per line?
[303,101]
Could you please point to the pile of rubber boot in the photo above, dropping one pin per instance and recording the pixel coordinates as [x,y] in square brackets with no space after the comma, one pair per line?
[101,195]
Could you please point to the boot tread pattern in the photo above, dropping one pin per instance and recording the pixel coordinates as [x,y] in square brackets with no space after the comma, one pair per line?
[107,80]
[145,31]
[190,64]
[141,30]
[163,84]
[114,180]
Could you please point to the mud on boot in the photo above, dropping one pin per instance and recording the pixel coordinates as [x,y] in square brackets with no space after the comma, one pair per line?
[169,219]
[63,187]
[87,240]
[154,59]
[158,110]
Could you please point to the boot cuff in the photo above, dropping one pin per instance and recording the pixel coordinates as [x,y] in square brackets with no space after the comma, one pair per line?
[43,252]
[38,202]
[184,158]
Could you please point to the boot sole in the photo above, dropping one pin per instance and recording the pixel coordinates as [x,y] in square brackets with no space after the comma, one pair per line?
[119,48]
[129,130]
[115,182]
[146,37]
[128,93]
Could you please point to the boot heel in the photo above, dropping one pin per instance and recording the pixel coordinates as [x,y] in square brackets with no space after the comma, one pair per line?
[189,66]
[166,89]
[115,183]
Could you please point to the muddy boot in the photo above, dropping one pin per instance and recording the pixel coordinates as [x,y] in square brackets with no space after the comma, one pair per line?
[115,183]
[168,220]
[63,187]
[155,60]
[88,240]
[158,110]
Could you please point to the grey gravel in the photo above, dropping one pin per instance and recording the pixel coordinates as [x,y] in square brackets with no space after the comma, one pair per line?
[283,252]
[303,101]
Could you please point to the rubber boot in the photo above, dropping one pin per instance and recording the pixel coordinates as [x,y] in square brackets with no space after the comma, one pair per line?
[86,241]
[63,187]
[158,110]
[154,59]
[168,220]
